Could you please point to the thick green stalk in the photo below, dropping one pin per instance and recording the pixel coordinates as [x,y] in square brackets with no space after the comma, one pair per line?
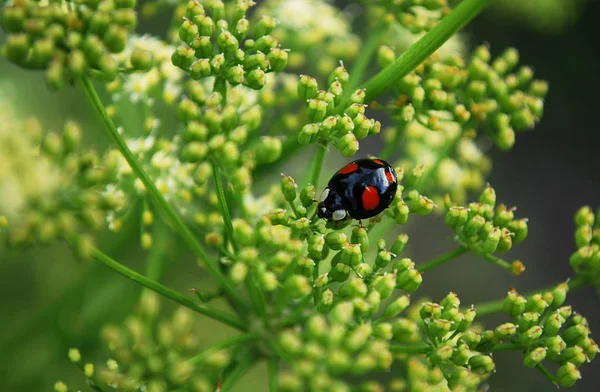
[159,200]
[422,49]
[491,307]
[506,347]
[461,250]
[272,370]
[223,205]
[223,344]
[216,314]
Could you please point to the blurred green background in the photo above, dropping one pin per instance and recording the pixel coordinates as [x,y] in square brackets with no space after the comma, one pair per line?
[49,302]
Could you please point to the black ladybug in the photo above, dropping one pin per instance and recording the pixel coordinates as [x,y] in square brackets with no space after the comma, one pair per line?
[360,190]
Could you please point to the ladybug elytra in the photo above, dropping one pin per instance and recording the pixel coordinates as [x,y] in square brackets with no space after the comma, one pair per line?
[360,190]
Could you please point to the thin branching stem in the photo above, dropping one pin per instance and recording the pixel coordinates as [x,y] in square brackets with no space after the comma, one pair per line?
[237,372]
[223,205]
[453,254]
[157,197]
[360,66]
[317,165]
[209,311]
[272,366]
[223,344]
[410,348]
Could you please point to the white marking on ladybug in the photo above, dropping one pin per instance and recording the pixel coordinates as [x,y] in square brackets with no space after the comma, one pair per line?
[324,195]
[339,215]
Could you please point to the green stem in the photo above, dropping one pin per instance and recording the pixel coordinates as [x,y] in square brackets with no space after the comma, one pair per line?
[410,349]
[162,204]
[317,165]
[547,374]
[223,205]
[497,260]
[492,307]
[226,343]
[238,371]
[272,370]
[443,259]
[362,63]
[422,49]
[389,148]
[216,314]
[157,252]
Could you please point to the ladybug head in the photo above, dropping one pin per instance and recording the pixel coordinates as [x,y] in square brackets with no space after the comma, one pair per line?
[330,206]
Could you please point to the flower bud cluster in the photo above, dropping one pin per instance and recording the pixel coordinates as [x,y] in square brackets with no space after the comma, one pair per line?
[547,329]
[414,15]
[50,185]
[69,40]
[313,24]
[328,121]
[154,353]
[586,260]
[448,101]
[245,52]
[486,227]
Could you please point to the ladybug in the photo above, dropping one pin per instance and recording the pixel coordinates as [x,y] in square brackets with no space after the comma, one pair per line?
[359,190]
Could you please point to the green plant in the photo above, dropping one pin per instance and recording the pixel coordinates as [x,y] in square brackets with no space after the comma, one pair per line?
[319,303]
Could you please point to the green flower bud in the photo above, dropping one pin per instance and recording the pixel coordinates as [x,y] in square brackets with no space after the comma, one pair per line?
[265,44]
[531,335]
[553,324]
[183,57]
[528,320]
[519,229]
[340,74]
[575,333]
[385,285]
[567,375]
[414,176]
[383,331]
[421,205]
[473,225]
[399,244]
[409,280]
[457,217]
[514,304]
[297,286]
[256,79]
[536,303]
[401,212]
[325,301]
[308,134]
[188,31]
[535,357]
[439,328]
[268,151]
[355,109]
[574,355]
[396,307]
[589,347]
[342,313]
[467,320]
[347,145]
[461,355]
[316,110]
[278,58]
[307,195]
[453,315]
[355,288]
[265,26]
[441,354]
[481,364]
[351,255]
[357,338]
[194,152]
[403,265]
[383,259]
[430,311]
[385,56]
[505,330]
[288,188]
[339,273]
[471,339]
[338,361]
[336,240]
[405,331]
[307,87]
[238,272]
[555,345]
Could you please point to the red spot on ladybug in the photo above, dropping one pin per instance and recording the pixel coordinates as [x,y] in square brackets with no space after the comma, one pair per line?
[390,177]
[379,162]
[370,198]
[349,168]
